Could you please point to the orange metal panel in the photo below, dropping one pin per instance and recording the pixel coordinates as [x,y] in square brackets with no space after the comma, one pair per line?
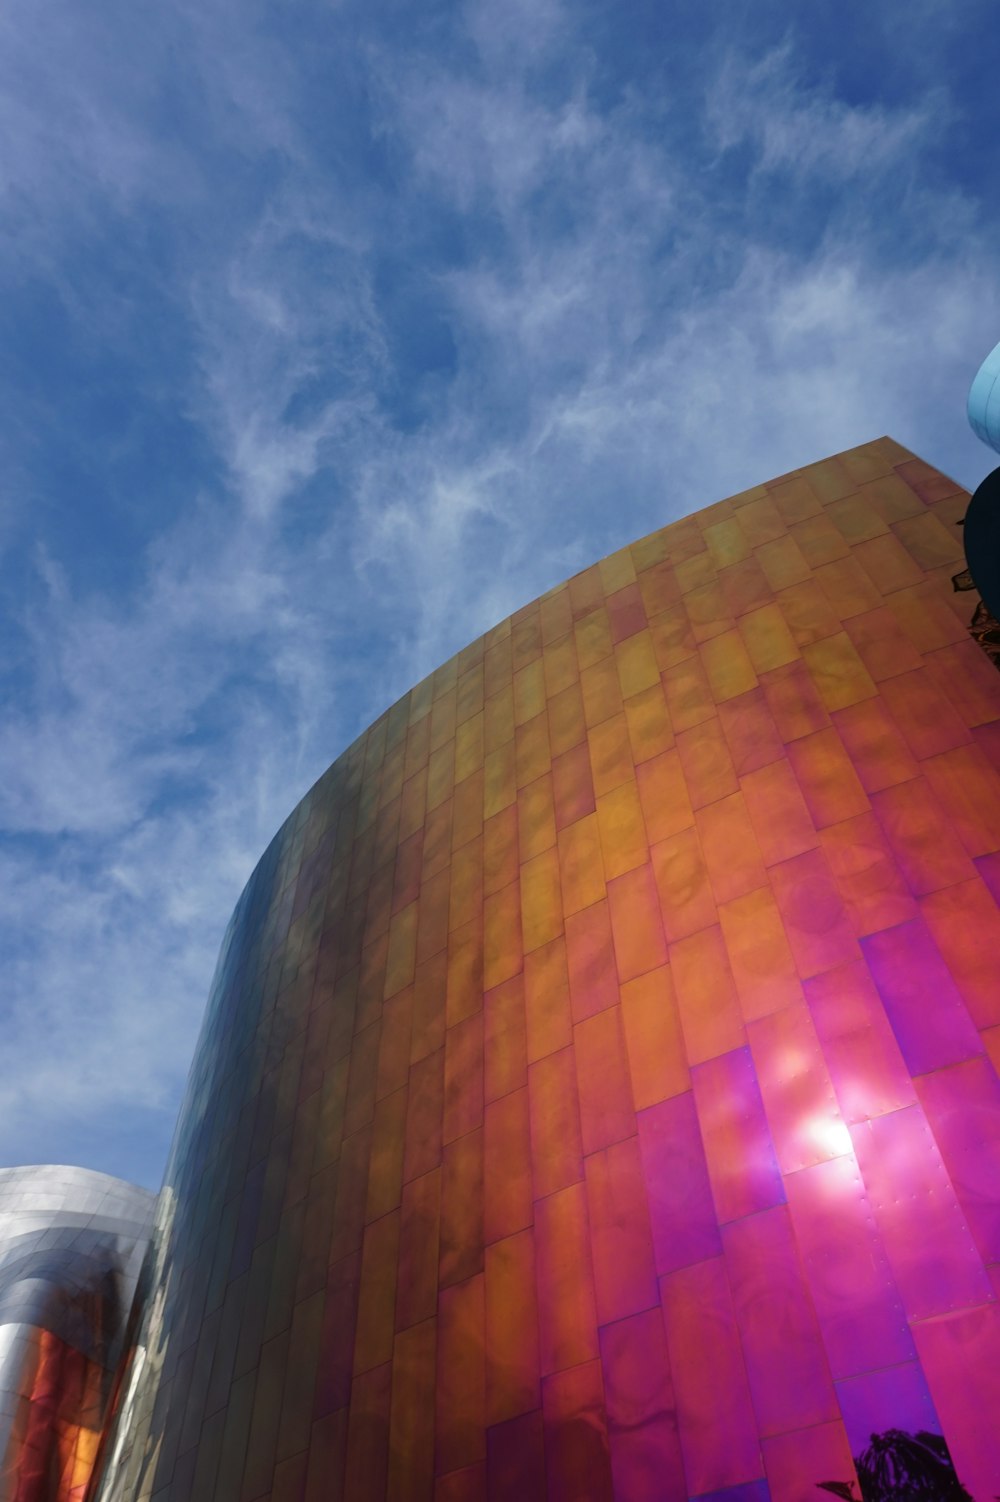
[502,955]
[637,931]
[602,1078]
[505,1057]
[548,1016]
[706,998]
[653,1038]
[768,640]
[590,959]
[778,813]
[807,612]
[567,1312]
[419,1244]
[592,636]
[610,754]
[500,853]
[461,1209]
[377,1296]
[637,665]
[556,1146]
[689,695]
[460,1429]
[921,836]
[729,847]
[705,759]
[727,666]
[762,964]
[965,924]
[507,1181]
[968,790]
[663,793]
[463,1078]
[826,775]
[867,876]
[602,695]
[649,727]
[622,830]
[512,1350]
[682,880]
[541,900]
[750,731]
[532,754]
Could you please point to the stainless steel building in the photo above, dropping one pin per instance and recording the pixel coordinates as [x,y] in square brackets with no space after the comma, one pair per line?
[71,1246]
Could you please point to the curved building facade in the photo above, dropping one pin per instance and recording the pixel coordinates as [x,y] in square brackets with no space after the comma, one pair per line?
[71,1245]
[597,1097]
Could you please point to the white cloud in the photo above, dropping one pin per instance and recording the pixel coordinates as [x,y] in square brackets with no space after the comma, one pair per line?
[629,344]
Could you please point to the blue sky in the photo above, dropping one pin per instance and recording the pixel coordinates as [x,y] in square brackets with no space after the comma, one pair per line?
[330,334]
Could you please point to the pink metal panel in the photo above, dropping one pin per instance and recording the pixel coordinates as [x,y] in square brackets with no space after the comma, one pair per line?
[646,1460]
[620,1236]
[921,1000]
[866,873]
[925,1233]
[962,1105]
[577,1463]
[965,924]
[797,1464]
[801,1108]
[738,1148]
[855,1297]
[816,921]
[602,1078]
[786,1365]
[960,1355]
[714,1412]
[862,1054]
[681,1210]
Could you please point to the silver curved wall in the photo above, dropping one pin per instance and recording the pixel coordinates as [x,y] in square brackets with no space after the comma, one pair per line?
[71,1247]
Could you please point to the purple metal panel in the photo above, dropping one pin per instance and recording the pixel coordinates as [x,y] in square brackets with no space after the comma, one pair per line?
[925,1234]
[921,1000]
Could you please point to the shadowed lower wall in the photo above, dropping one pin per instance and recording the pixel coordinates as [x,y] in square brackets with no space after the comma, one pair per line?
[597,1095]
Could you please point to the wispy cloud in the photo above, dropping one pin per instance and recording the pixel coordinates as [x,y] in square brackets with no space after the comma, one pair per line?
[336,344]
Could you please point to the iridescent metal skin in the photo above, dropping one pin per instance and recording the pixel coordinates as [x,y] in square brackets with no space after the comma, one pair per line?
[71,1246]
[598,1094]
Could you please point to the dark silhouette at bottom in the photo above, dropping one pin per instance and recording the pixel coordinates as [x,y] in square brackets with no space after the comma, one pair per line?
[901,1467]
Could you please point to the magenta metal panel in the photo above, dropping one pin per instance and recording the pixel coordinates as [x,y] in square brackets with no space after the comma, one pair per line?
[646,1460]
[962,1106]
[921,1000]
[960,1355]
[923,1229]
[799,1100]
[681,1209]
[789,1376]
[853,1290]
[742,1167]
[894,1397]
[714,1411]
[868,1071]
